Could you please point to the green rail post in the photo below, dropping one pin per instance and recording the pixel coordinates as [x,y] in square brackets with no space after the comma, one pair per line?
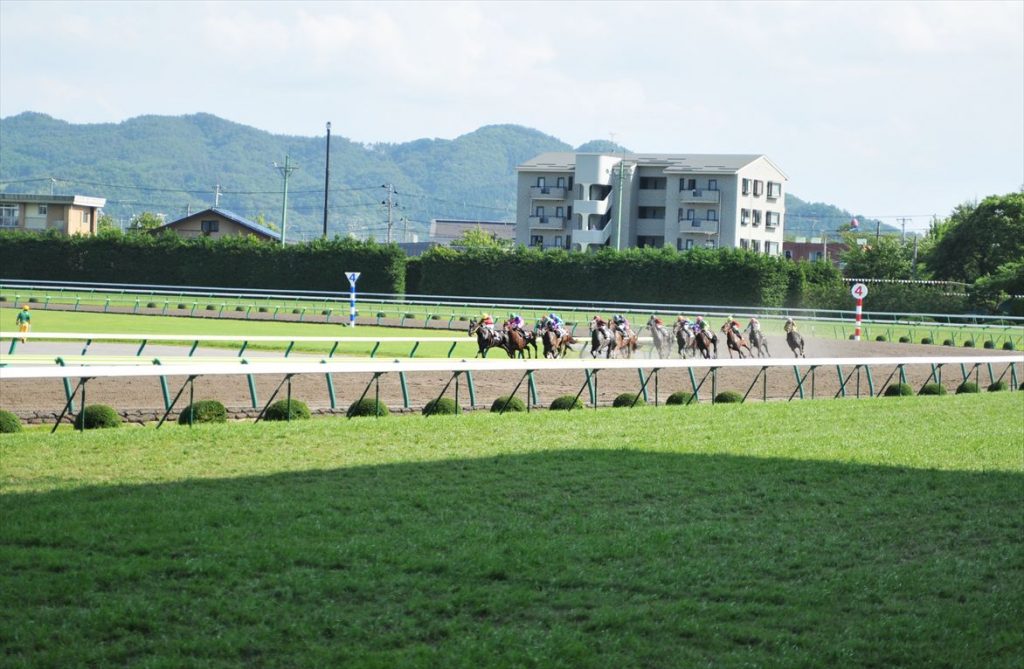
[327,316]
[963,372]
[68,392]
[86,347]
[252,387]
[14,345]
[452,348]
[276,309]
[46,303]
[163,387]
[401,321]
[193,311]
[472,389]
[220,314]
[991,376]
[373,351]
[405,389]
[141,346]
[135,309]
[330,388]
[245,344]
[799,381]
[302,314]
[590,386]
[78,301]
[167,305]
[693,384]
[842,384]
[248,310]
[532,386]
[643,383]
[289,349]
[412,353]
[106,305]
[871,381]
[195,345]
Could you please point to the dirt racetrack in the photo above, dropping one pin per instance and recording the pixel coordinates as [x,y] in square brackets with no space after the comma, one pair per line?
[140,399]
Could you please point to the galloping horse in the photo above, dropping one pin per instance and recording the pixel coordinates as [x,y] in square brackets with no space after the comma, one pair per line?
[662,337]
[704,341]
[486,339]
[519,343]
[600,339]
[796,343]
[735,341]
[758,341]
[555,346]
[623,343]
[684,338]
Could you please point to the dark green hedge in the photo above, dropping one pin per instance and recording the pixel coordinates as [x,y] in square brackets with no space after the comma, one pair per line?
[230,262]
[725,276]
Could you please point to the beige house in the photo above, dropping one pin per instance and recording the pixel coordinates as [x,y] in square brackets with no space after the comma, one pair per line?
[216,223]
[583,201]
[70,214]
[446,230]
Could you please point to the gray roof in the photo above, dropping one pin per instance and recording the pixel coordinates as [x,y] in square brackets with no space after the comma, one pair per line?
[673,163]
[231,216]
[33,198]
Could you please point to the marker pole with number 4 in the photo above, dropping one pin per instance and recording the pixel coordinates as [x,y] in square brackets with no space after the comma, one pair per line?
[352,278]
[859,291]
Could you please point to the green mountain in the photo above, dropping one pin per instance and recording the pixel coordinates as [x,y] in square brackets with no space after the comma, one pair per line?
[172,165]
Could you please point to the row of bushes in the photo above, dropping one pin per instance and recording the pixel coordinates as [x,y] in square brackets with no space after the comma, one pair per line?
[96,416]
[967,343]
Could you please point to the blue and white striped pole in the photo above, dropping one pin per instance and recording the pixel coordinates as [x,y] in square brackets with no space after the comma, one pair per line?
[352,278]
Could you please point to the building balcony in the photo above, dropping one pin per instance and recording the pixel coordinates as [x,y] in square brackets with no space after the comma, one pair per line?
[698,225]
[592,237]
[699,196]
[547,193]
[547,222]
[588,207]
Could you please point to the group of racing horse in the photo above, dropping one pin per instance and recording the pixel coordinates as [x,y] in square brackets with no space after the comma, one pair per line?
[615,338]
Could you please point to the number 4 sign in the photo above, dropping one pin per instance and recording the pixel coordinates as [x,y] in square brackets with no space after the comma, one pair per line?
[352,278]
[859,291]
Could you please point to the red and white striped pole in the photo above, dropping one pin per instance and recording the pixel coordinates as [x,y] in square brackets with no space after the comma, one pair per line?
[859,291]
[856,332]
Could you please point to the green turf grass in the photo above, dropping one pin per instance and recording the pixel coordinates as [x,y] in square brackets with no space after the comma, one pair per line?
[872,533]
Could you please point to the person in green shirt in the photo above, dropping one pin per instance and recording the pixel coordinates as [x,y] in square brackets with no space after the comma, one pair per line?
[24,320]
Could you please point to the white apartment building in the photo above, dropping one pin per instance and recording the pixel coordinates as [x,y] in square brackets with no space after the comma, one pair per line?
[582,201]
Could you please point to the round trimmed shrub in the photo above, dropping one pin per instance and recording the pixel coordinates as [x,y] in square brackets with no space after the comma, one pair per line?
[926,340]
[566,402]
[239,308]
[627,400]
[435,317]
[513,404]
[181,305]
[96,416]
[463,319]
[325,312]
[410,315]
[33,300]
[211,307]
[282,410]
[947,342]
[3,298]
[998,386]
[853,337]
[443,406]
[967,387]
[968,343]
[933,389]
[881,338]
[151,305]
[728,397]
[904,339]
[9,423]
[381,314]
[296,311]
[680,397]
[989,344]
[898,390]
[367,407]
[203,411]
[262,310]
[1007,345]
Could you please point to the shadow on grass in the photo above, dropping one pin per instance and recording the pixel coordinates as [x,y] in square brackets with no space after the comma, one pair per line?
[568,558]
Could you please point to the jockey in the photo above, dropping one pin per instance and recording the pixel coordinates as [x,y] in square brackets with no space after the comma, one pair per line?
[515,322]
[754,325]
[735,325]
[683,323]
[486,322]
[699,325]
[790,325]
[555,323]
[622,324]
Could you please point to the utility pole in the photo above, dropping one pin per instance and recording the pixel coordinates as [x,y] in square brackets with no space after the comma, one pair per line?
[286,171]
[216,196]
[903,226]
[878,231]
[390,204]
[327,176]
[618,224]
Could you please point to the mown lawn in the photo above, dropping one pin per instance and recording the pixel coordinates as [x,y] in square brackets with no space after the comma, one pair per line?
[880,533]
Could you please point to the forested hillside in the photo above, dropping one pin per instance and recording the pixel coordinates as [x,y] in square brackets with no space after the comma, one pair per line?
[173,165]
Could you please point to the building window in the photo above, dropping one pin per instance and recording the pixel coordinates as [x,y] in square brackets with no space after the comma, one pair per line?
[210,226]
[539,213]
[652,183]
[710,244]
[689,244]
[771,218]
[8,217]
[643,241]
[41,210]
[757,217]
[711,215]
[691,184]
[559,212]
[558,241]
[568,212]
[536,240]
[771,248]
[756,246]
[774,189]
[690,213]
[541,182]
[561,182]
[694,222]
[788,254]
[570,183]
[758,188]
[744,217]
[746,187]
[712,184]
[744,243]
[651,212]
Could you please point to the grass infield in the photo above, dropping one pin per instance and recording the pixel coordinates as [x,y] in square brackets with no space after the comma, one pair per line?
[879,533]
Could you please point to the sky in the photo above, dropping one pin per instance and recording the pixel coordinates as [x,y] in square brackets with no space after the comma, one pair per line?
[888,109]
